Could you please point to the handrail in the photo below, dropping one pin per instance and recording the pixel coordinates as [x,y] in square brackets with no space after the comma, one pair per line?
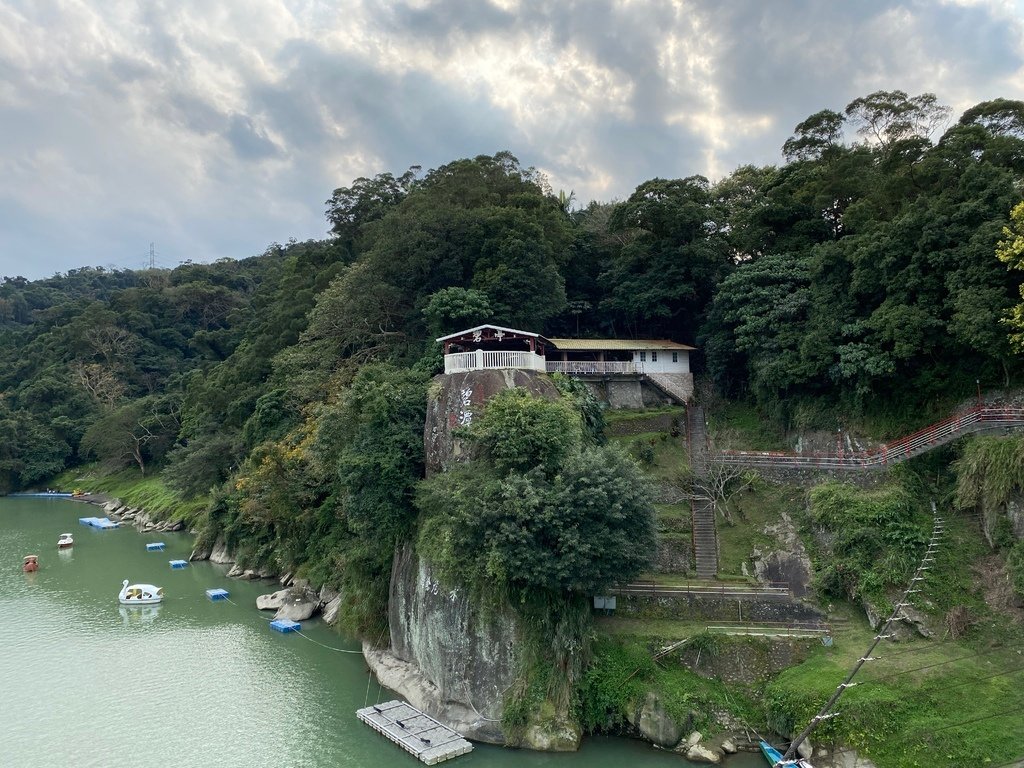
[701,588]
[975,419]
[592,367]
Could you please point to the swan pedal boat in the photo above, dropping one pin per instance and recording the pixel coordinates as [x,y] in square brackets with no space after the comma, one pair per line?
[140,594]
[66,541]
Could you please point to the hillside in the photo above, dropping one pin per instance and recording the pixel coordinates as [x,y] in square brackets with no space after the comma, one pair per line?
[276,404]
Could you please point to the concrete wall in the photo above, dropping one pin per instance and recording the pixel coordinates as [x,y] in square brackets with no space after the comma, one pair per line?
[712,610]
[747,660]
[624,393]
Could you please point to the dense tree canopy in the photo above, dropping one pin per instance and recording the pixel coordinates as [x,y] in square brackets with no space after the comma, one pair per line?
[289,386]
[542,507]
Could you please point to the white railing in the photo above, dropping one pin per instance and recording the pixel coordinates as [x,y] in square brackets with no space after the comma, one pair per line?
[592,367]
[460,362]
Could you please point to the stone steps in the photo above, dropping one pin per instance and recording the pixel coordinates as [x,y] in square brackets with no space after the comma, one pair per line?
[705,535]
[678,386]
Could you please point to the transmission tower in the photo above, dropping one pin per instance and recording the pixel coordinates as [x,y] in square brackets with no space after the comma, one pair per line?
[152,256]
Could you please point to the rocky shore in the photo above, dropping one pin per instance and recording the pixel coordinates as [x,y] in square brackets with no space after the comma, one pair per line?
[297,600]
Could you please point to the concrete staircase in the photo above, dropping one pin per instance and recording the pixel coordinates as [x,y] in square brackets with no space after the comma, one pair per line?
[705,537]
[678,386]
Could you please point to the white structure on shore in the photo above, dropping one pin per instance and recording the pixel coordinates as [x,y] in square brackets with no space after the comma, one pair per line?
[666,363]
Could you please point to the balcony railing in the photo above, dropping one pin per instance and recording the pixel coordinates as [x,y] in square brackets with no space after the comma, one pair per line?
[593,367]
[460,362]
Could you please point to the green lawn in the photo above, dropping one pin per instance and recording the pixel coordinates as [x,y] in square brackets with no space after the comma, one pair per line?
[621,415]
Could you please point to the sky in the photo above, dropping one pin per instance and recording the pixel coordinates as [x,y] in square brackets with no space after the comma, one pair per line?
[213,128]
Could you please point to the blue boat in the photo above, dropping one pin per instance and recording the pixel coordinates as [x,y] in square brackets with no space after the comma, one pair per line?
[774,757]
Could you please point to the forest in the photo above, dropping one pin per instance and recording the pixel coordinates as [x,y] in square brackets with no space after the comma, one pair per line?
[281,396]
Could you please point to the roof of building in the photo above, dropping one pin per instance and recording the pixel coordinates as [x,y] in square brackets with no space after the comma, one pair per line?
[457,334]
[628,345]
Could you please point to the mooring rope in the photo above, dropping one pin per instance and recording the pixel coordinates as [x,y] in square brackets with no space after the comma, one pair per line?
[369,672]
[469,700]
[328,647]
[228,599]
[301,634]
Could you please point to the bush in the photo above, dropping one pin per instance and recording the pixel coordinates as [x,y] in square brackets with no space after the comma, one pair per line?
[879,534]
[536,511]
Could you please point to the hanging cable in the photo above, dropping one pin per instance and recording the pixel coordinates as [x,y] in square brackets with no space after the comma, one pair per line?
[938,526]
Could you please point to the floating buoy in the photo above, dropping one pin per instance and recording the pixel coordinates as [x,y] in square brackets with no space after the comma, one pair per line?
[217,594]
[285,625]
[178,564]
[103,523]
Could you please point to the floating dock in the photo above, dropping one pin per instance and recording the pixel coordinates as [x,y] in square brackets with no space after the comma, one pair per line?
[103,523]
[285,625]
[217,594]
[155,546]
[418,734]
[177,565]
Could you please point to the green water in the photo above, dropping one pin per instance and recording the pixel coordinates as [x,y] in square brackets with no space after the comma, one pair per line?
[86,682]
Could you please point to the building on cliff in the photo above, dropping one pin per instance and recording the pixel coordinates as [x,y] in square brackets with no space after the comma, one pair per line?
[625,373]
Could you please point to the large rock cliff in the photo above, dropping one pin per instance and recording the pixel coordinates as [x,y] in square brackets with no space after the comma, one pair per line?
[453,400]
[449,655]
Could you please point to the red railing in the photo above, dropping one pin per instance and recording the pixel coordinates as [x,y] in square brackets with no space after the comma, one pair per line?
[977,419]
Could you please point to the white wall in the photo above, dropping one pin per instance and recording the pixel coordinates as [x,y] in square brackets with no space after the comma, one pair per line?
[664,362]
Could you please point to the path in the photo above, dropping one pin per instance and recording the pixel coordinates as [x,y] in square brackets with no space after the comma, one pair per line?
[981,418]
[705,539]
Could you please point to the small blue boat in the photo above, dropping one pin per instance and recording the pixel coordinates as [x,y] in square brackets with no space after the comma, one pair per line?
[774,757]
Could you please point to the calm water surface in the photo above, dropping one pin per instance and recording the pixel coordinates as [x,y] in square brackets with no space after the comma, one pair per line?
[86,682]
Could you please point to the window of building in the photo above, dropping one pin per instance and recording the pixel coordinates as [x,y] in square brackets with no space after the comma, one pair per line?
[675,357]
[643,357]
[654,356]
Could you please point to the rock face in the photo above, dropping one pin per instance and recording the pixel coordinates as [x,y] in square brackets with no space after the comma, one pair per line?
[455,397]
[220,553]
[466,655]
[450,656]
[788,562]
[655,724]
[331,601]
[1007,518]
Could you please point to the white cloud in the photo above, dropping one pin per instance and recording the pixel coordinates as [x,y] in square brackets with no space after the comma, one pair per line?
[215,128]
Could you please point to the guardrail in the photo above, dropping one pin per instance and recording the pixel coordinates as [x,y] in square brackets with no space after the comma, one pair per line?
[593,367]
[772,628]
[703,589]
[478,360]
[977,419]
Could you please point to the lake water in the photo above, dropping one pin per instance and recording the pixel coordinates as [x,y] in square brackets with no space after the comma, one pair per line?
[87,682]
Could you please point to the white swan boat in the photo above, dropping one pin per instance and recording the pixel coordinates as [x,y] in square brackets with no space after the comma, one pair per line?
[139,594]
[65,541]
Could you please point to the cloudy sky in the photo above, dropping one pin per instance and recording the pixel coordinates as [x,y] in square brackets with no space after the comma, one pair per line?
[215,127]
